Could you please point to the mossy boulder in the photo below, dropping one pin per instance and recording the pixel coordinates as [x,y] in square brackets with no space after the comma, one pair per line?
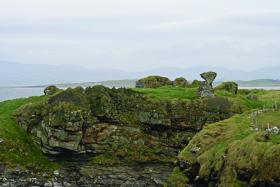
[50,90]
[181,82]
[153,82]
[231,87]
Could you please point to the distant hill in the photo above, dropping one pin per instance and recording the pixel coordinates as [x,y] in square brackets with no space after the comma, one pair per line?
[17,74]
[131,83]
[110,84]
[259,83]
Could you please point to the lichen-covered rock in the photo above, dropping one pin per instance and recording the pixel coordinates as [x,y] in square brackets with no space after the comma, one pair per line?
[231,87]
[181,81]
[206,87]
[153,82]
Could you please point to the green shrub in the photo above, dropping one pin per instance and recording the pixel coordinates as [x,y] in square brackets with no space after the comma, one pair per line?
[181,82]
[231,87]
[50,90]
[195,84]
[153,82]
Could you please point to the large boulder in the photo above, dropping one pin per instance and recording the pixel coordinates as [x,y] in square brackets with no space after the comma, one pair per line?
[153,82]
[231,87]
[206,87]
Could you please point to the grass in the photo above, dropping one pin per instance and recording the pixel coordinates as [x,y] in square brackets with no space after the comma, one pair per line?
[269,119]
[17,149]
[266,98]
[230,146]
[104,159]
[169,92]
[177,179]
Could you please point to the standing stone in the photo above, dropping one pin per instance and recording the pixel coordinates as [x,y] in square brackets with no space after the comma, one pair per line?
[206,87]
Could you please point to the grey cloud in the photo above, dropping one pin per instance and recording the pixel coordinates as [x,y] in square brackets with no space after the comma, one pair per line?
[145,40]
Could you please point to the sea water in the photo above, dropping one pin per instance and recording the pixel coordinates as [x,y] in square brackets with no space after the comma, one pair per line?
[19,92]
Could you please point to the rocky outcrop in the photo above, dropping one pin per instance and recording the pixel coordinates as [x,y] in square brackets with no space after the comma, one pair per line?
[100,120]
[206,87]
[186,115]
[97,120]
[153,82]
[149,174]
[113,136]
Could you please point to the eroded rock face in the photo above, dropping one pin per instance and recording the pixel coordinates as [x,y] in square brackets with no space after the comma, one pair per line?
[206,87]
[120,122]
[129,139]
[186,115]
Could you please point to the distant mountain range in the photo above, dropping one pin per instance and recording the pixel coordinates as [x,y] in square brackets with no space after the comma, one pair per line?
[259,83]
[17,74]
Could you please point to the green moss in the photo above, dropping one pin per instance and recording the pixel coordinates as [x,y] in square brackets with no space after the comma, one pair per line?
[169,92]
[138,152]
[177,179]
[104,159]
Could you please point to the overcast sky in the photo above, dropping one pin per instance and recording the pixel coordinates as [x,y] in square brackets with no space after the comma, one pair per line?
[141,34]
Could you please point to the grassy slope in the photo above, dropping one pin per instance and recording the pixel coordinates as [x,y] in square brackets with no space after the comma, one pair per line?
[169,92]
[17,150]
[232,145]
